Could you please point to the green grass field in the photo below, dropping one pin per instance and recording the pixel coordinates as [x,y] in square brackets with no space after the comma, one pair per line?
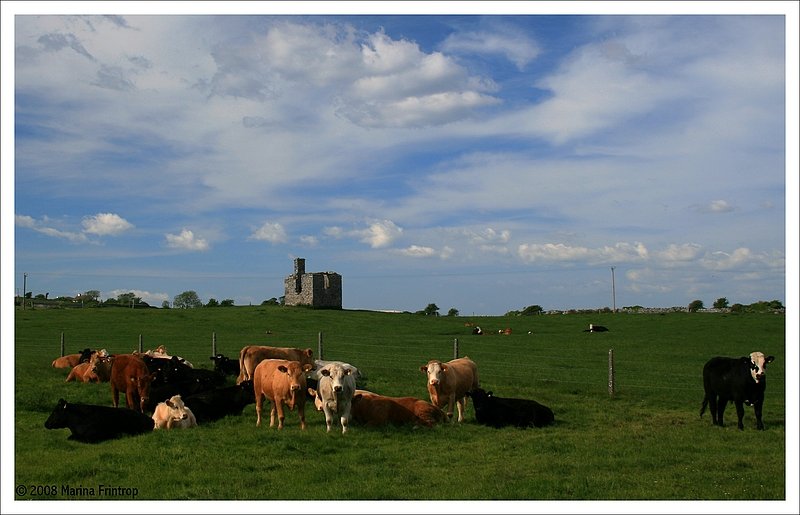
[647,442]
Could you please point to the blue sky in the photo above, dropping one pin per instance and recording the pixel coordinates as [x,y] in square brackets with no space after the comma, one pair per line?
[480,162]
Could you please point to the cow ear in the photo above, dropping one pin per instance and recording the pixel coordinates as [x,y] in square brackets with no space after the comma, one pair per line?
[357,396]
[424,368]
[489,393]
[282,368]
[308,368]
[312,392]
[325,372]
[309,353]
[769,359]
[444,367]
[169,403]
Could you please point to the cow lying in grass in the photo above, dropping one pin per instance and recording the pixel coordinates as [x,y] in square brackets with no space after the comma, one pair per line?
[503,411]
[90,423]
[173,414]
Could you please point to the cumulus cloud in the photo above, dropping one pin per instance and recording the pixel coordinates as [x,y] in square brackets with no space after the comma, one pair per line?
[621,252]
[378,234]
[418,251]
[186,240]
[151,298]
[105,224]
[272,232]
[514,45]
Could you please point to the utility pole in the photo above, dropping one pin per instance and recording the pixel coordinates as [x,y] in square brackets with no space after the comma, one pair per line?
[24,288]
[613,290]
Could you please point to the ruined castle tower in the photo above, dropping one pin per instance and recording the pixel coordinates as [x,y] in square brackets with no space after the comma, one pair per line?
[317,289]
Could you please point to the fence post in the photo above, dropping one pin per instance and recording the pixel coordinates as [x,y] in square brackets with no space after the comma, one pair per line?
[319,345]
[612,386]
[213,343]
[62,344]
[455,348]
[140,343]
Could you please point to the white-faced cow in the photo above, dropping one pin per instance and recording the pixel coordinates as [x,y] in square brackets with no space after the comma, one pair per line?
[448,383]
[90,423]
[334,394]
[739,380]
[173,414]
[505,411]
[282,382]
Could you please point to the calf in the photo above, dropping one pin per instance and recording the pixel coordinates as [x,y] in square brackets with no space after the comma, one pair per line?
[251,355]
[173,414]
[371,409]
[220,402]
[129,374]
[282,382]
[225,365]
[740,380]
[334,394]
[448,383]
[502,411]
[90,423]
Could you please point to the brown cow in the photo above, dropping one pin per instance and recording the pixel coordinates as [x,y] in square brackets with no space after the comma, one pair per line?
[71,360]
[101,367]
[371,409]
[83,372]
[448,383]
[282,382]
[129,374]
[251,355]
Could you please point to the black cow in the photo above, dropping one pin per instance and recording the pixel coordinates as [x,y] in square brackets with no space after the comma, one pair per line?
[162,391]
[501,411]
[740,380]
[595,329]
[90,423]
[225,365]
[166,369]
[218,403]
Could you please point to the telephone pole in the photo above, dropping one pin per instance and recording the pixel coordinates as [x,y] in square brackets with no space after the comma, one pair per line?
[24,288]
[613,290]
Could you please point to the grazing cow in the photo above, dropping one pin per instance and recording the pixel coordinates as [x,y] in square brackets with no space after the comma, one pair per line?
[173,414]
[90,423]
[218,403]
[740,380]
[334,394]
[251,355]
[448,383]
[595,329]
[502,411]
[282,382]
[129,374]
[71,360]
[371,409]
[225,365]
[83,372]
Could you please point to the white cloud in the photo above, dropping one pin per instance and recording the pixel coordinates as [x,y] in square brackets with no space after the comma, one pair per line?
[621,252]
[309,241]
[272,232]
[720,206]
[151,298]
[105,224]
[680,253]
[379,233]
[418,251]
[186,240]
[43,227]
[514,45]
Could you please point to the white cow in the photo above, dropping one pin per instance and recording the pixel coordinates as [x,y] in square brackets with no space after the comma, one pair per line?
[173,414]
[334,393]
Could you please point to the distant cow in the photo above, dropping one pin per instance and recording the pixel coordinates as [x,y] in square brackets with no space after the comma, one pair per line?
[71,360]
[448,383]
[218,403]
[129,374]
[375,410]
[101,366]
[595,329]
[739,380]
[90,423]
[161,353]
[83,372]
[282,382]
[225,365]
[173,414]
[251,355]
[503,411]
[334,393]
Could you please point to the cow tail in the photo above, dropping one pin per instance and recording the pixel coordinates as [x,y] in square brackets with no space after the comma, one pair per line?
[703,407]
[242,372]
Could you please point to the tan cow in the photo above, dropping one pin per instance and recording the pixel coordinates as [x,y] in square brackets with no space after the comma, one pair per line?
[251,355]
[101,366]
[83,372]
[448,383]
[282,382]
[173,414]
[68,361]
[371,409]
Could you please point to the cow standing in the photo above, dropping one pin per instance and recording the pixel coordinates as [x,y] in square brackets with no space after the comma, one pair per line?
[740,380]
[251,355]
[334,393]
[282,382]
[504,411]
[448,383]
[90,423]
[129,374]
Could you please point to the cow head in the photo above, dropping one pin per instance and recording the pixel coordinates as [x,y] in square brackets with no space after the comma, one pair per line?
[336,373]
[758,365]
[296,375]
[58,418]
[435,370]
[177,409]
[142,385]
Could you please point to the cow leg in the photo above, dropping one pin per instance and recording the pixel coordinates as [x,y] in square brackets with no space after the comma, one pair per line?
[757,408]
[301,411]
[344,421]
[277,408]
[461,404]
[739,414]
[259,400]
[114,395]
[721,404]
[328,418]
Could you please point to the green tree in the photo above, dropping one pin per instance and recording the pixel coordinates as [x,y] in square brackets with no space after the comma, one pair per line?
[226,303]
[431,310]
[695,305]
[721,303]
[532,310]
[212,303]
[186,300]
[165,304]
[270,302]
[453,312]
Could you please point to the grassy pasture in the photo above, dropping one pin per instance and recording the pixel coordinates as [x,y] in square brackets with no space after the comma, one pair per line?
[645,443]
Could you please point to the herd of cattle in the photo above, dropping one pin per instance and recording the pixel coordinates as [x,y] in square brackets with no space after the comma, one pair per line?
[178,395]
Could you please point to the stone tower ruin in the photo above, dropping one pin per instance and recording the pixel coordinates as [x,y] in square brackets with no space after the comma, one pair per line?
[317,289]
